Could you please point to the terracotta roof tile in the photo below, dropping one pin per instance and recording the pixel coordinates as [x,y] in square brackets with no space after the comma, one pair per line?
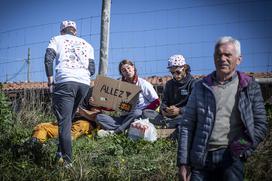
[155,80]
[260,74]
[24,85]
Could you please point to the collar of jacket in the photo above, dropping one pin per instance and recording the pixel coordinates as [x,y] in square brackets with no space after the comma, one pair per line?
[185,80]
[244,79]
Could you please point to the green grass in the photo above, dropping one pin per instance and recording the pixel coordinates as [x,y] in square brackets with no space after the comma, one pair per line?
[112,158]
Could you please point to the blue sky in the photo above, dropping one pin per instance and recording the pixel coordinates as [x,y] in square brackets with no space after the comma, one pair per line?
[145,31]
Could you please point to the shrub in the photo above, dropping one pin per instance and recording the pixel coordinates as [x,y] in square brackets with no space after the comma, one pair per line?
[258,167]
[5,114]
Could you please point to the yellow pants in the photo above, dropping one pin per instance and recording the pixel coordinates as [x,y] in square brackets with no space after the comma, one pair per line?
[44,131]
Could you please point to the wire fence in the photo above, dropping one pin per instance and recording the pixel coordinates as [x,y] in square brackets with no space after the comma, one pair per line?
[149,38]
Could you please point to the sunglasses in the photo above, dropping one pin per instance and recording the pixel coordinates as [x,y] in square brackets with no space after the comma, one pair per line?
[177,72]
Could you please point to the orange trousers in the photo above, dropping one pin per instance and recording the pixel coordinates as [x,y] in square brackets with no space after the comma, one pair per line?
[44,131]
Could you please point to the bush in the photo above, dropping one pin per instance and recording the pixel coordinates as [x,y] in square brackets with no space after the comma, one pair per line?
[5,114]
[258,167]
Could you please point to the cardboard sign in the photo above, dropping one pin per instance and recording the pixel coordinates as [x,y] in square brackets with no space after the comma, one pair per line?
[115,94]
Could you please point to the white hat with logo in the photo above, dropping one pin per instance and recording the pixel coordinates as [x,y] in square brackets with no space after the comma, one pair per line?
[176,61]
[67,23]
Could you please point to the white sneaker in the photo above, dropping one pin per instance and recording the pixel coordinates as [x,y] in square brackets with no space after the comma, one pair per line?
[104,133]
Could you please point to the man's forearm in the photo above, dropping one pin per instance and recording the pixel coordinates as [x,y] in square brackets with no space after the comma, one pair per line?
[91,67]
[90,115]
[49,57]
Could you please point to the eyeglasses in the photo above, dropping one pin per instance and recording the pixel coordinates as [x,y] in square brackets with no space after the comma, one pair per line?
[178,72]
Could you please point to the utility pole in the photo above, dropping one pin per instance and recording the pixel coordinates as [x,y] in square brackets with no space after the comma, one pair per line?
[104,40]
[28,65]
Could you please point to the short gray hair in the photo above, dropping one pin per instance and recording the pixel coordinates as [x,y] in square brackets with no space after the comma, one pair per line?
[229,39]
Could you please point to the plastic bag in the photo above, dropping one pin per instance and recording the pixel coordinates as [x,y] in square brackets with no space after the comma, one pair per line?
[142,129]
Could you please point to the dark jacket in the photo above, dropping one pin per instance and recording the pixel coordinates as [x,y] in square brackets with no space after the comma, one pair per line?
[198,119]
[177,92]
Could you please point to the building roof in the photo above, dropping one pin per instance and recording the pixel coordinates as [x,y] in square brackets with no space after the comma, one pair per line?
[23,85]
[154,80]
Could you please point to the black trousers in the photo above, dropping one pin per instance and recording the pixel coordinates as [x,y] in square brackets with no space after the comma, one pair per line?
[66,98]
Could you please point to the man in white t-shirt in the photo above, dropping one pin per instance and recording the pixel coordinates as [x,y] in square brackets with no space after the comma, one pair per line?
[74,67]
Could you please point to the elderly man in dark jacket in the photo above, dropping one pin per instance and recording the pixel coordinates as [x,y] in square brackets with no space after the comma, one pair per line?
[224,120]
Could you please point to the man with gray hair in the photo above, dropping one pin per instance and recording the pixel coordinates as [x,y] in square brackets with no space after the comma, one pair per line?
[73,70]
[224,120]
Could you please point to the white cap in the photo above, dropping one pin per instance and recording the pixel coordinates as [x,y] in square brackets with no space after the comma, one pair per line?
[176,61]
[67,23]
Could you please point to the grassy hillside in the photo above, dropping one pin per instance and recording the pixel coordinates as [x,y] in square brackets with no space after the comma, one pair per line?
[112,158]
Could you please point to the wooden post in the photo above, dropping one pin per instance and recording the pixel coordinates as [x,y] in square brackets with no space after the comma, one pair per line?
[104,37]
[28,65]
